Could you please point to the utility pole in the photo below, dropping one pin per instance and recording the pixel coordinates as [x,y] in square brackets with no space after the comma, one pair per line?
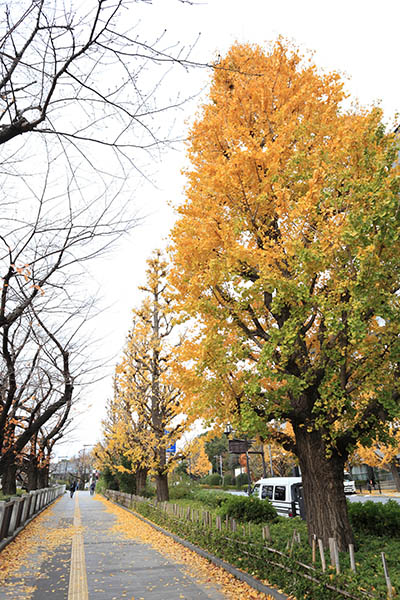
[218,465]
[270,460]
[83,463]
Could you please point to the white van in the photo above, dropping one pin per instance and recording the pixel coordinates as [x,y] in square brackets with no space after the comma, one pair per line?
[284,493]
[349,484]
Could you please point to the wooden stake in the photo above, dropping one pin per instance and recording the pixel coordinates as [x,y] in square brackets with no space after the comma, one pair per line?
[292,542]
[388,582]
[331,551]
[336,556]
[266,533]
[314,547]
[352,559]
[322,555]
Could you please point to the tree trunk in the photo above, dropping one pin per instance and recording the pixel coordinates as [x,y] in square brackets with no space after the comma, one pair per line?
[140,478]
[43,477]
[394,471]
[162,487]
[8,482]
[324,497]
[32,474]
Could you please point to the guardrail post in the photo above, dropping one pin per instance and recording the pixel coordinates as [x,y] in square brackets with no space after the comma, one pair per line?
[13,520]
[32,510]
[2,511]
[37,502]
[25,510]
[18,512]
[5,524]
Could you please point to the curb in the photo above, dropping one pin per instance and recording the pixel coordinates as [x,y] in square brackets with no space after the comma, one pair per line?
[12,537]
[241,575]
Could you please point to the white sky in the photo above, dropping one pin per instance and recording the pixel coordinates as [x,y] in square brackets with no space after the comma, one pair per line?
[359,38]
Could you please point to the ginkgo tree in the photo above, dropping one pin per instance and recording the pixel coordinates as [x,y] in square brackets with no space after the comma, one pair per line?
[287,254]
[143,378]
[383,455]
[196,457]
[118,453]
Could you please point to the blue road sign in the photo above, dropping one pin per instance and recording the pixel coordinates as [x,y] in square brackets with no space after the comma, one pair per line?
[172,448]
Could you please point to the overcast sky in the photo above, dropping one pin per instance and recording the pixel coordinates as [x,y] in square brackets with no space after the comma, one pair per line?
[357,38]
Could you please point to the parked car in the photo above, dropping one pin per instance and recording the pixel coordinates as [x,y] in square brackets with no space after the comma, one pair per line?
[284,493]
[349,484]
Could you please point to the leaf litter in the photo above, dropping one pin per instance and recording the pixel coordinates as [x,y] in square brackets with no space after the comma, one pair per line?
[22,558]
[206,573]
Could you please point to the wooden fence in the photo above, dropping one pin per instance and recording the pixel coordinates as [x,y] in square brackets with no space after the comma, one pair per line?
[19,510]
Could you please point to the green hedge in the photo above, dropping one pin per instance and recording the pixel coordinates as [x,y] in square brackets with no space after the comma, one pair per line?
[241,480]
[250,555]
[229,479]
[243,508]
[376,518]
[211,499]
[180,491]
[212,479]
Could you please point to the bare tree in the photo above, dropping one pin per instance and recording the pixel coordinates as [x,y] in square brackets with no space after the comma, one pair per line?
[36,385]
[79,98]
[36,459]
[76,72]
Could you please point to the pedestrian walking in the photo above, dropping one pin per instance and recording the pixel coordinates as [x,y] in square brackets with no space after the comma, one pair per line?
[92,487]
[73,487]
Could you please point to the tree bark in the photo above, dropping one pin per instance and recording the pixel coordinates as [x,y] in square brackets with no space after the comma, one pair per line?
[325,500]
[162,487]
[8,482]
[43,477]
[140,479]
[394,471]
[32,474]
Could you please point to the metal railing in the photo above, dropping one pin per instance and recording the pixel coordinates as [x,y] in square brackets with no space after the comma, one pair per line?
[19,510]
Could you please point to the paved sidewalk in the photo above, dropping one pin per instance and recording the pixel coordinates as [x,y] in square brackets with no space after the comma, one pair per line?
[43,552]
[104,564]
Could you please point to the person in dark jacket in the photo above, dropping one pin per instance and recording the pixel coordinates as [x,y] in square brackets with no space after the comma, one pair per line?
[73,487]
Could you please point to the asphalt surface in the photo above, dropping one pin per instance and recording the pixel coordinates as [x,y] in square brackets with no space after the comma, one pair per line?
[120,568]
[116,568]
[374,497]
[44,571]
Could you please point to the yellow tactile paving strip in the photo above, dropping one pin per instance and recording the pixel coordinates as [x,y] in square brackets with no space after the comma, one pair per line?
[78,588]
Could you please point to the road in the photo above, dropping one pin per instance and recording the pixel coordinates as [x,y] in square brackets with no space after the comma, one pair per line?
[351,497]
[378,498]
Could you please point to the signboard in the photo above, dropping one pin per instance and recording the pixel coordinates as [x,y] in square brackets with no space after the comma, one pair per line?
[172,447]
[239,446]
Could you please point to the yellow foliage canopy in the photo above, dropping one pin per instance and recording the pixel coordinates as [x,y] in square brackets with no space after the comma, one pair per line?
[284,249]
